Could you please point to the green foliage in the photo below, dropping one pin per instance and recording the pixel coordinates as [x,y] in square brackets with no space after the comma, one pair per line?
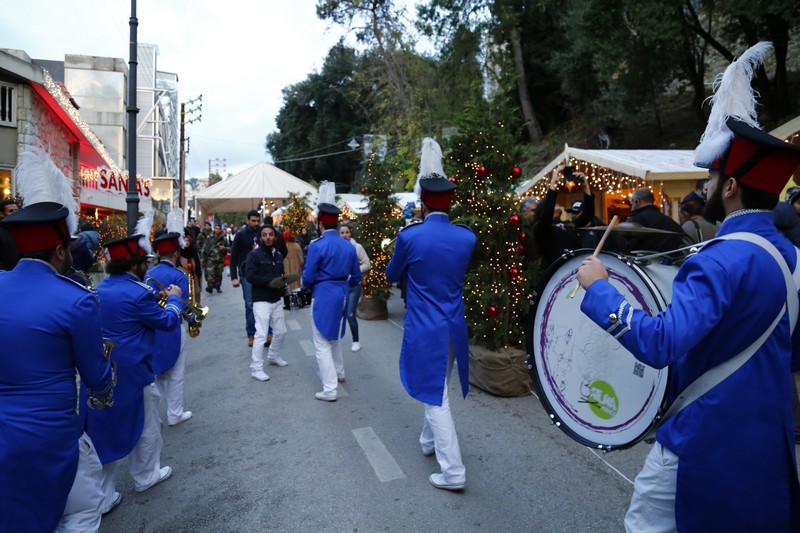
[381,222]
[295,217]
[481,159]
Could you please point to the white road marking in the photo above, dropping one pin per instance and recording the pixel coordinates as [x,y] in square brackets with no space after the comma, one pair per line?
[307,346]
[396,324]
[293,325]
[378,456]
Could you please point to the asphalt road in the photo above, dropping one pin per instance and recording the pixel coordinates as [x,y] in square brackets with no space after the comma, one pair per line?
[270,457]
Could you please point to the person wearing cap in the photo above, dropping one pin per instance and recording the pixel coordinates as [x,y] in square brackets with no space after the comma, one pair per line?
[330,270]
[245,240]
[131,315]
[53,328]
[263,265]
[216,247]
[433,256]
[726,460]
[169,354]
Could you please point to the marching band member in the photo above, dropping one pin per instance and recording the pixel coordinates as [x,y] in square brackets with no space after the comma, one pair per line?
[131,315]
[330,270]
[52,328]
[726,461]
[169,357]
[434,256]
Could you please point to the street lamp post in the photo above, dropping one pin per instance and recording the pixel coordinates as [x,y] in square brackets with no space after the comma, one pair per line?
[132,198]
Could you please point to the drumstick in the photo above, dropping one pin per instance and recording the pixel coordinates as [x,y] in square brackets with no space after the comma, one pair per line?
[600,244]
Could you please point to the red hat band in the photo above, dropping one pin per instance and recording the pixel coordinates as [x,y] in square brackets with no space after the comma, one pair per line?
[125,249]
[37,237]
[328,219]
[167,246]
[437,200]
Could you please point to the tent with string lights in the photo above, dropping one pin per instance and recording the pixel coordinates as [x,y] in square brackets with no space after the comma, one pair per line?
[615,174]
[262,184]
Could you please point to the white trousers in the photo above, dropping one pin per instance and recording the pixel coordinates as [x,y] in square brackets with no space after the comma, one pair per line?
[267,315]
[170,383]
[439,433]
[144,461]
[329,358]
[652,508]
[84,503]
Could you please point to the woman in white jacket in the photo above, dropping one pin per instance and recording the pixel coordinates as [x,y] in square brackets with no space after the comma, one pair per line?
[355,292]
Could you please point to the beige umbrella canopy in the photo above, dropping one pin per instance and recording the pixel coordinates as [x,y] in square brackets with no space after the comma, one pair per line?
[244,191]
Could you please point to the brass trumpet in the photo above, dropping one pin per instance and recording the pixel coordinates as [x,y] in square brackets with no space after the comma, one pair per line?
[200,313]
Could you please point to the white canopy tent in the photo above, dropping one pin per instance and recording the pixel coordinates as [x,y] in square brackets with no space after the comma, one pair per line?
[244,191]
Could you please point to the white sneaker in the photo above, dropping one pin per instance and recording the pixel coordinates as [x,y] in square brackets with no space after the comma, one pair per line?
[163,475]
[186,415]
[277,361]
[355,347]
[259,375]
[325,396]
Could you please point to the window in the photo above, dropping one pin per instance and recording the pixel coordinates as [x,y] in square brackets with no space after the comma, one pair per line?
[8,105]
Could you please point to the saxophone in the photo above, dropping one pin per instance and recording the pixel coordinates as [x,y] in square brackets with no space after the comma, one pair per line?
[200,313]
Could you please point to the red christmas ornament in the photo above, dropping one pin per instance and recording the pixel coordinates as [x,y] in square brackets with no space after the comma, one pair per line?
[491,311]
[454,180]
[482,171]
[522,237]
[516,172]
[520,249]
[514,272]
[514,220]
[364,284]
[363,190]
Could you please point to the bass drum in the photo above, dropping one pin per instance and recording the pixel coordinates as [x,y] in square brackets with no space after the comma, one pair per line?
[590,385]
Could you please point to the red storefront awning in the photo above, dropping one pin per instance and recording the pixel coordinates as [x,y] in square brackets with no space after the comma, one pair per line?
[89,156]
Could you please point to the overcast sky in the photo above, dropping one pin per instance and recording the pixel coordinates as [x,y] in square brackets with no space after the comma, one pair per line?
[238,54]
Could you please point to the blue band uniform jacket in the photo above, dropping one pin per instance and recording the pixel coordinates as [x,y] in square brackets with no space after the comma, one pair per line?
[330,270]
[131,315]
[434,255]
[735,444]
[50,325]
[168,343]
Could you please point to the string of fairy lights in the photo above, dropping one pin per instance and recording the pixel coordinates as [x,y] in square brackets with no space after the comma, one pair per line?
[600,178]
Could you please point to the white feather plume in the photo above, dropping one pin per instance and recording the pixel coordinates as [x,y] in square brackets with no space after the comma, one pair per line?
[326,195]
[430,162]
[175,224]
[143,228]
[733,97]
[38,180]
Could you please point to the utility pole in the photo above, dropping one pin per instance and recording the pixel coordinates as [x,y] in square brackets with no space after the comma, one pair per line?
[132,198]
[184,112]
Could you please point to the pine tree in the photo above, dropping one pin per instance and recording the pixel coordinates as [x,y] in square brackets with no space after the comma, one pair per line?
[498,280]
[295,217]
[381,222]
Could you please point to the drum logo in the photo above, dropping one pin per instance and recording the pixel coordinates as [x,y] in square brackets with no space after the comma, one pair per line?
[601,398]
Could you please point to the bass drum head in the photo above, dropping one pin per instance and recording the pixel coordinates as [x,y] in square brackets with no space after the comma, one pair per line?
[590,385]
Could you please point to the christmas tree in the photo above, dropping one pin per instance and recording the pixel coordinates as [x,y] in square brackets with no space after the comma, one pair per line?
[295,217]
[382,221]
[499,280]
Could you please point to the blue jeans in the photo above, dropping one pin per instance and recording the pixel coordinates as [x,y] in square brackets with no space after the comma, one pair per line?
[352,305]
[250,319]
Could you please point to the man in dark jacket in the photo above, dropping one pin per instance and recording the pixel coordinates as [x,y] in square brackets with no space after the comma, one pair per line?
[647,214]
[246,239]
[263,265]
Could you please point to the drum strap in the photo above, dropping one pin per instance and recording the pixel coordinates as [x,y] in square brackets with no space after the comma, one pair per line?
[714,376]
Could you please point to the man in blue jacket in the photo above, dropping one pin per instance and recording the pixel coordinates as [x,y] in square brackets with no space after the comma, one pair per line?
[131,315]
[245,240]
[726,461]
[434,256]
[330,270]
[51,329]
[169,355]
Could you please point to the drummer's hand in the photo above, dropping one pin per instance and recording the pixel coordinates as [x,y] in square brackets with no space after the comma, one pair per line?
[590,271]
[235,282]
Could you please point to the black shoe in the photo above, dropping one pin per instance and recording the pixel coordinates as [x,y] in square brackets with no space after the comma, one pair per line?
[218,290]
[208,290]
